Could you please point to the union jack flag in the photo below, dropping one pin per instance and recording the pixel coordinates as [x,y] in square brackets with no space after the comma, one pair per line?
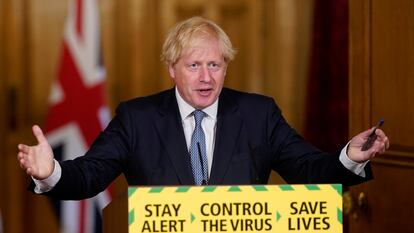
[78,110]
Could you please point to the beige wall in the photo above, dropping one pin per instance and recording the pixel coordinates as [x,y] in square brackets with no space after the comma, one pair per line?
[272,38]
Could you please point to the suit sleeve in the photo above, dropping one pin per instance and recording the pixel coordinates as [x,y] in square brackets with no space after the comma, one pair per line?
[297,161]
[87,175]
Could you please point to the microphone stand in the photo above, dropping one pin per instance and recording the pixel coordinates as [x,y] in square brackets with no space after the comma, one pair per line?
[205,176]
[251,153]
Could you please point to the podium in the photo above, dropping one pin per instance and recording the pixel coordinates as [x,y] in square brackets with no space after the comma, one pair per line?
[115,215]
[246,208]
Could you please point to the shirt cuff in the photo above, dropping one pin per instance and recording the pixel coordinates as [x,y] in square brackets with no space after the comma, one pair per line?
[47,184]
[357,168]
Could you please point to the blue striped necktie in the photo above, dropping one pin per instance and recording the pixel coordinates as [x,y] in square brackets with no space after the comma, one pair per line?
[198,155]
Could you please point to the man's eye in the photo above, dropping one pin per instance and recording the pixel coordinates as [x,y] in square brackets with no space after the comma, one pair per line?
[193,66]
[214,66]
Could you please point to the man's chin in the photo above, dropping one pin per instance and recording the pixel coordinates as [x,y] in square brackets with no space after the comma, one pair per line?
[201,104]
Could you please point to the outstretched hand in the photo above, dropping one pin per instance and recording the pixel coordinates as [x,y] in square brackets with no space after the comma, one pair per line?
[380,144]
[36,160]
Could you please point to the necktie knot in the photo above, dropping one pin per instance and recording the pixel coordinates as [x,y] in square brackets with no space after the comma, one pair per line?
[198,117]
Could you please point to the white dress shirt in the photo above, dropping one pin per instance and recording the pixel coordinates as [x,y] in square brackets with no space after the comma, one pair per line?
[209,125]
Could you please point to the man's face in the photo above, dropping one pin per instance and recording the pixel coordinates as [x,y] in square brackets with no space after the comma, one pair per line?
[199,73]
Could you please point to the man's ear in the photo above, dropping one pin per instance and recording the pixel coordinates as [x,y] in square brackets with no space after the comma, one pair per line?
[171,71]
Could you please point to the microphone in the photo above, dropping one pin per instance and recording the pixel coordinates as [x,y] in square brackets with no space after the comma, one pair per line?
[256,173]
[205,176]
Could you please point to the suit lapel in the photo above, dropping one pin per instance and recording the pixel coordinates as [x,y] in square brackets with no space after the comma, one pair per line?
[170,129]
[229,124]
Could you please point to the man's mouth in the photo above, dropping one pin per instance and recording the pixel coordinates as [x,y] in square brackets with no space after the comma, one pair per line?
[205,91]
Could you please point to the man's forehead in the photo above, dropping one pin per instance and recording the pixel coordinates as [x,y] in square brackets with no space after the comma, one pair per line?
[201,53]
[201,45]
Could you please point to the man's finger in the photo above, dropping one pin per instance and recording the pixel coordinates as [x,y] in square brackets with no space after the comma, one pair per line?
[29,171]
[380,133]
[23,148]
[367,132]
[37,131]
[20,155]
[363,136]
[23,163]
[387,143]
[383,138]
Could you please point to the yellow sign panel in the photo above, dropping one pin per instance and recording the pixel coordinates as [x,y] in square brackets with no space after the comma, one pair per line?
[263,208]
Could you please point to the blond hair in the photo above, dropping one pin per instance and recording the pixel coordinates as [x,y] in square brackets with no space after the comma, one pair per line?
[187,32]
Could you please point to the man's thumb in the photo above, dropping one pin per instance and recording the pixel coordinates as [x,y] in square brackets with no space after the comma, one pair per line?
[37,131]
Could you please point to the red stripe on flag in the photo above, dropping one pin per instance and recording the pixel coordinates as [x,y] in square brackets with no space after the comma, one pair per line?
[80,103]
[82,216]
[79,18]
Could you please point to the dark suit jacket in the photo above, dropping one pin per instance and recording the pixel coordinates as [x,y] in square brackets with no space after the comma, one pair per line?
[145,141]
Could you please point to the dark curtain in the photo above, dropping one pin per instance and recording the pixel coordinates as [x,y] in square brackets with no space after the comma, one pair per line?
[326,124]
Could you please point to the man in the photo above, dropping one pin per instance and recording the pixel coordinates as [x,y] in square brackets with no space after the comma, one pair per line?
[196,133]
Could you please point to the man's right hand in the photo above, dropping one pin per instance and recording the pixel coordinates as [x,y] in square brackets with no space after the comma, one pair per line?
[36,160]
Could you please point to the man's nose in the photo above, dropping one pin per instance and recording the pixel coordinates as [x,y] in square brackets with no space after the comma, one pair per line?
[205,74]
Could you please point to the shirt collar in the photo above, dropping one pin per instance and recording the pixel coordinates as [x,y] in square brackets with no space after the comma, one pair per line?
[186,109]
